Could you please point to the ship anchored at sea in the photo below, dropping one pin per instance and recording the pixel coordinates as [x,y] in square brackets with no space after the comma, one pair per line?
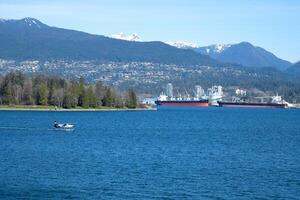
[199,99]
[256,102]
[214,97]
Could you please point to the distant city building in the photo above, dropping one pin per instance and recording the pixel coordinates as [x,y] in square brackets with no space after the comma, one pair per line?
[169,91]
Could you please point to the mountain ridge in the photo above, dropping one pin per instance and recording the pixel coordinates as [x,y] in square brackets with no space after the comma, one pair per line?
[246,54]
[294,69]
[29,38]
[243,53]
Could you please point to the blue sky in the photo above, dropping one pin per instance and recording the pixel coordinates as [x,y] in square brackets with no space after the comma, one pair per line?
[271,24]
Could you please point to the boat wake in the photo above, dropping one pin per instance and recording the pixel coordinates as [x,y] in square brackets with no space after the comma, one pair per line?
[33,128]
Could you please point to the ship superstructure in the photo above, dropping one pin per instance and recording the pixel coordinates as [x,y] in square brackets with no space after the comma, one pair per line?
[215,94]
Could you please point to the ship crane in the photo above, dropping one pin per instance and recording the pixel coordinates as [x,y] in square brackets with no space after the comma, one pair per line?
[195,93]
[187,94]
[179,95]
[273,98]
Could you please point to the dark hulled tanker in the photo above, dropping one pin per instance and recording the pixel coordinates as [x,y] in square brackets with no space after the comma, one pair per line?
[251,105]
[276,102]
[183,103]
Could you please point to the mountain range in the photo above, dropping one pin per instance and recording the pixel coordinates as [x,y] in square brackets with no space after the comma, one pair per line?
[29,38]
[242,53]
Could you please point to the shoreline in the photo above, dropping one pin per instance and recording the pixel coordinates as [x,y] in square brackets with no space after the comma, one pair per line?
[74,109]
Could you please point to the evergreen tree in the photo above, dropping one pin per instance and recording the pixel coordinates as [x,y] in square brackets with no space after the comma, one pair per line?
[108,99]
[43,95]
[81,92]
[91,97]
[27,98]
[57,97]
[6,93]
[84,100]
[131,99]
[73,89]
[99,92]
[67,102]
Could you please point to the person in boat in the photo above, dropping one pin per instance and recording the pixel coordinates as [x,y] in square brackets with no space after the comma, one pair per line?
[56,125]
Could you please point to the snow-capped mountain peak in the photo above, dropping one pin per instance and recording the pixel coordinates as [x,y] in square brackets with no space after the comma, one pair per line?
[213,50]
[30,22]
[217,48]
[221,47]
[121,36]
[183,45]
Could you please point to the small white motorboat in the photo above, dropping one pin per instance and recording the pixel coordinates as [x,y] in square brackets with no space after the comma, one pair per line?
[66,126]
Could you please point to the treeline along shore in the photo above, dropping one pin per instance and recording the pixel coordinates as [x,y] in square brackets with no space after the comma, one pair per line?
[41,91]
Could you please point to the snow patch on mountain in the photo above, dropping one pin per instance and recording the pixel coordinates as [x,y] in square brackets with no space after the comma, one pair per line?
[121,36]
[217,48]
[32,22]
[27,21]
[183,45]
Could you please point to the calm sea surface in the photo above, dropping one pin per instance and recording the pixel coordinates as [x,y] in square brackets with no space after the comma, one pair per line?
[210,153]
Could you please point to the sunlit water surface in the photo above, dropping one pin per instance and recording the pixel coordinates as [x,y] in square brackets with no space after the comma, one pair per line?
[209,153]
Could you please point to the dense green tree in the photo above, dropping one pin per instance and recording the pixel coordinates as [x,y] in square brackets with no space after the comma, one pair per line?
[6,93]
[93,102]
[67,101]
[43,95]
[85,99]
[80,89]
[100,91]
[57,97]
[16,88]
[27,97]
[108,99]
[131,101]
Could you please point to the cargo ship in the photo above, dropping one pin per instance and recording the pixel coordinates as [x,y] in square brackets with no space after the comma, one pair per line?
[277,102]
[251,105]
[187,103]
[215,97]
[199,99]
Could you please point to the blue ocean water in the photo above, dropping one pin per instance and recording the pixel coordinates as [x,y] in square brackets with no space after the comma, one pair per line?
[210,153]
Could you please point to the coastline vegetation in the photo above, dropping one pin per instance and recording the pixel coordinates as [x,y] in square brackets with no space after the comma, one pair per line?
[18,90]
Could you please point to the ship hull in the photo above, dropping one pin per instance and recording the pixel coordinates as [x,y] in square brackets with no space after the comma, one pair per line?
[251,105]
[200,103]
